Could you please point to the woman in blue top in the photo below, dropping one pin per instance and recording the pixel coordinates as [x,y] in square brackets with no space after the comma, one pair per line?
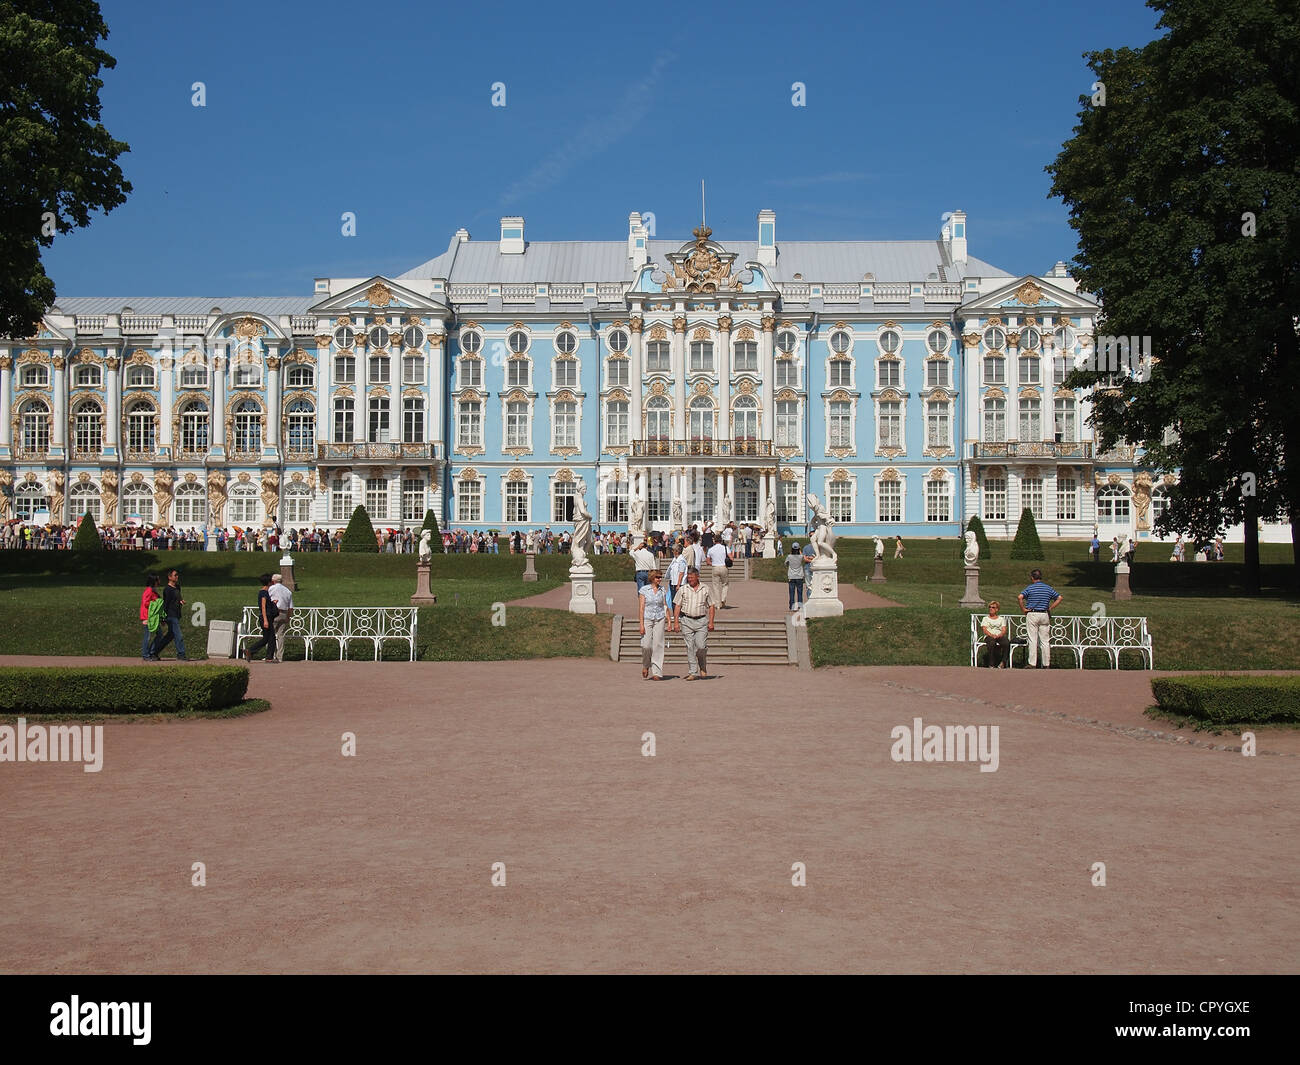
[653,616]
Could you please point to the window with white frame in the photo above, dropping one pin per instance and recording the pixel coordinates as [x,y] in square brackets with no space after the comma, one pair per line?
[295,505]
[1063,426]
[300,376]
[1064,338]
[378,372]
[189,506]
[380,412]
[995,338]
[517,502]
[412,498]
[995,499]
[745,356]
[87,377]
[787,341]
[470,423]
[1031,496]
[518,373]
[248,375]
[380,335]
[345,336]
[1159,503]
[890,418]
[889,501]
[839,373]
[518,424]
[377,498]
[345,369]
[413,420]
[243,505]
[616,502]
[701,356]
[344,420]
[565,424]
[616,423]
[139,427]
[938,373]
[617,372]
[658,356]
[566,343]
[889,373]
[83,499]
[469,501]
[301,425]
[194,376]
[1113,505]
[1030,339]
[787,373]
[995,420]
[701,418]
[995,370]
[87,430]
[789,504]
[562,497]
[29,499]
[840,342]
[891,341]
[1061,366]
[471,373]
[412,369]
[658,419]
[137,502]
[341,499]
[938,500]
[471,342]
[747,499]
[1067,498]
[938,422]
[517,341]
[839,500]
[247,427]
[745,418]
[1031,419]
[840,424]
[140,377]
[35,376]
[787,423]
[937,341]
[566,373]
[1028,370]
[618,340]
[413,336]
[194,427]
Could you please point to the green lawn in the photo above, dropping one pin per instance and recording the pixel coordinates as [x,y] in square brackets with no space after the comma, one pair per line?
[1197,614]
[65,603]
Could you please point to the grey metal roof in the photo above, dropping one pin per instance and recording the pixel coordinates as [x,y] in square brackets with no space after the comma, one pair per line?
[480,261]
[196,305]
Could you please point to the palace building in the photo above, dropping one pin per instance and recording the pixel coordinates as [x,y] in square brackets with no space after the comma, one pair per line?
[907,383]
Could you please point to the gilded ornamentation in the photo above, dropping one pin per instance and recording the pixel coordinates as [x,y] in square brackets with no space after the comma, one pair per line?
[768,323]
[137,477]
[108,495]
[701,388]
[658,388]
[701,333]
[270,494]
[249,329]
[272,363]
[162,494]
[636,323]
[190,478]
[1169,480]
[1114,478]
[745,387]
[6,362]
[516,475]
[679,324]
[216,495]
[840,475]
[83,477]
[971,340]
[379,295]
[58,361]
[469,473]
[724,322]
[1029,294]
[745,332]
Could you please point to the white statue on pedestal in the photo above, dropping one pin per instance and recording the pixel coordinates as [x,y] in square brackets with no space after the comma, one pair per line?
[821,532]
[532,542]
[636,519]
[723,518]
[581,526]
[972,553]
[769,518]
[677,514]
[426,549]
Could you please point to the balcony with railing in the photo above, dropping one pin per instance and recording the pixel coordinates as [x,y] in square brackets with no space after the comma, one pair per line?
[376,452]
[664,447]
[1033,449]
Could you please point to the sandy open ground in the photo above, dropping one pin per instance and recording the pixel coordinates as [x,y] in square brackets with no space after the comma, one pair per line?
[678,862]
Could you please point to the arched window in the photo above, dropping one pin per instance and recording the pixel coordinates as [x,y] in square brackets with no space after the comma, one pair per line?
[1113,505]
[35,426]
[87,377]
[28,500]
[300,376]
[83,499]
[746,419]
[194,427]
[35,376]
[658,419]
[140,377]
[302,425]
[1159,503]
[88,428]
[243,505]
[140,426]
[189,505]
[296,505]
[701,419]
[137,503]
[248,427]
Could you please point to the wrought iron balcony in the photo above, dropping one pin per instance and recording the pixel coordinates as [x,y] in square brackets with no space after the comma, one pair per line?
[665,447]
[372,452]
[1033,449]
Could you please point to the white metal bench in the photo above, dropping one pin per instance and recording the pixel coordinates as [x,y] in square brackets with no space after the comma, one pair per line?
[1076,634]
[342,623]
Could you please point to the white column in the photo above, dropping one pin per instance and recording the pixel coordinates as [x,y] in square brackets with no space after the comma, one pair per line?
[6,399]
[59,371]
[724,376]
[636,325]
[113,421]
[219,405]
[166,367]
[767,361]
[324,403]
[679,376]
[437,387]
[762,494]
[274,405]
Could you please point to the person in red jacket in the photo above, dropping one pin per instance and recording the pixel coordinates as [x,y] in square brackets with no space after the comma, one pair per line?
[150,594]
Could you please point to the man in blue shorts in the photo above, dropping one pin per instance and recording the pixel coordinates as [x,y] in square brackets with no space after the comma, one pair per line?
[1037,601]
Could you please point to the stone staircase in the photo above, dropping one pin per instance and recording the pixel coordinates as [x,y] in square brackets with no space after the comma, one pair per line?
[733,641]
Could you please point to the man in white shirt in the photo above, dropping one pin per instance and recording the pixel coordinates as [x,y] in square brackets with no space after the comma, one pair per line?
[283,598]
[718,564]
[643,562]
[676,574]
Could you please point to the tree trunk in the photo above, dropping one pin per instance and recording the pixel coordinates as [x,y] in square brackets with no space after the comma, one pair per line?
[1251,544]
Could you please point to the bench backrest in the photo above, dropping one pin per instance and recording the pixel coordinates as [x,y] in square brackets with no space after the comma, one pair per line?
[345,622]
[1076,630]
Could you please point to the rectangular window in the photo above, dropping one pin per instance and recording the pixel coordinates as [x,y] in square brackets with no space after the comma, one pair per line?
[470,433]
[562,501]
[745,357]
[787,373]
[616,423]
[995,499]
[1063,426]
[516,502]
[413,421]
[471,373]
[379,371]
[297,508]
[936,373]
[566,425]
[787,423]
[517,375]
[378,421]
[995,370]
[616,501]
[938,505]
[1031,423]
[618,373]
[343,423]
[889,501]
[701,356]
[839,500]
[469,501]
[1067,499]
[841,424]
[890,373]
[936,425]
[566,373]
[658,356]
[413,369]
[1029,369]
[345,370]
[194,377]
[1031,496]
[1060,367]
[839,373]
[995,421]
[517,429]
[377,498]
[789,506]
[341,499]
[891,424]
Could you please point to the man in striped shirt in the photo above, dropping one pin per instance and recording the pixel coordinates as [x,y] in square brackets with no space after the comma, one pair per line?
[1037,601]
[693,610]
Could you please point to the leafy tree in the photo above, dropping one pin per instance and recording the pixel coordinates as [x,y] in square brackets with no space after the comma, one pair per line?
[977,527]
[431,523]
[57,162]
[1183,186]
[1026,545]
[87,537]
[359,536]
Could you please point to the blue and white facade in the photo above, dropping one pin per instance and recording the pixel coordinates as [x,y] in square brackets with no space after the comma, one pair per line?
[906,383]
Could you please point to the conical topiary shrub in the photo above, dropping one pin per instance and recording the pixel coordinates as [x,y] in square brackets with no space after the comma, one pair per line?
[87,538]
[359,536]
[431,523]
[1026,545]
[977,527]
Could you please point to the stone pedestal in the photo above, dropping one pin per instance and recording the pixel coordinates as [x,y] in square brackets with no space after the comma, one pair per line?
[221,639]
[423,596]
[530,573]
[286,572]
[822,598]
[582,596]
[769,546]
[1122,590]
[879,576]
[972,596]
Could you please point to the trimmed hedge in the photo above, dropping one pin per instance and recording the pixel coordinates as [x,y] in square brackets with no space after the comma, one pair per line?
[87,538]
[359,536]
[1027,545]
[1230,700]
[120,689]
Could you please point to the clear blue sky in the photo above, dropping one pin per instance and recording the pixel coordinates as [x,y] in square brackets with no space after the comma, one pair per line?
[318,108]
